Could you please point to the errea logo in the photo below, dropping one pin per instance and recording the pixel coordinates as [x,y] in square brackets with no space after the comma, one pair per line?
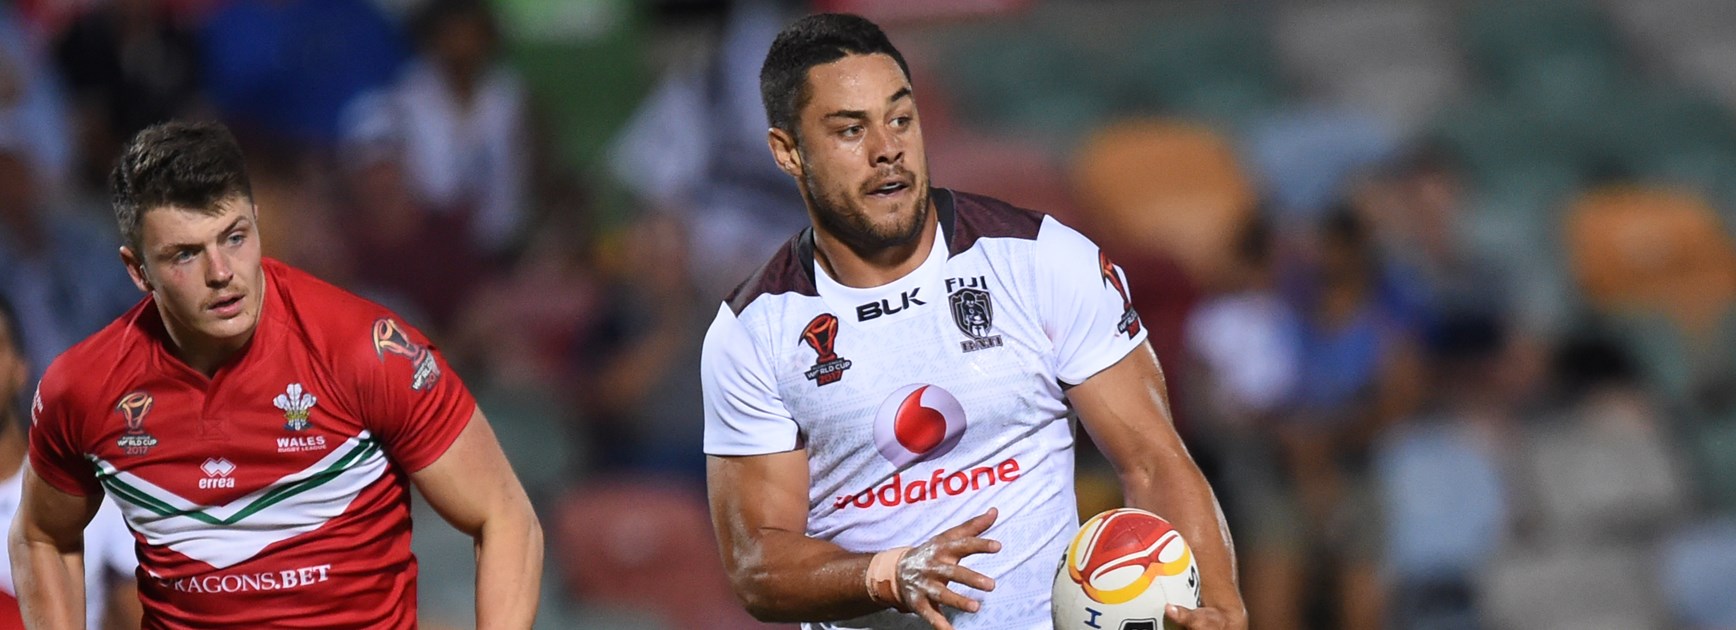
[217,470]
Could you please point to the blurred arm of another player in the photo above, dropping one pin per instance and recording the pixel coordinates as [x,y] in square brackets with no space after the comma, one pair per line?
[1125,408]
[473,487]
[759,505]
[47,546]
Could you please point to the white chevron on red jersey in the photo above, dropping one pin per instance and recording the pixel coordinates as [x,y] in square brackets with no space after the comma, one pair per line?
[275,492]
[924,402]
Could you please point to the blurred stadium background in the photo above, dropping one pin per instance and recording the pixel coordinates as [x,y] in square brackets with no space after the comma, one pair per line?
[1443,288]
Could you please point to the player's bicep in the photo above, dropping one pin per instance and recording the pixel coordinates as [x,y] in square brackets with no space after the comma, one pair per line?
[1125,409]
[755,494]
[48,515]
[471,480]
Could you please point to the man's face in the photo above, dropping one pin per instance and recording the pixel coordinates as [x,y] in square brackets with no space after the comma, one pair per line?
[859,153]
[203,269]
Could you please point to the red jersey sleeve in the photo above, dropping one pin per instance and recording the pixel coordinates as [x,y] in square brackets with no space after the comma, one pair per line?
[409,396]
[56,454]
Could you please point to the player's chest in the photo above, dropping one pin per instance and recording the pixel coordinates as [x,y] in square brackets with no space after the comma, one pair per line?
[967,340]
[210,444]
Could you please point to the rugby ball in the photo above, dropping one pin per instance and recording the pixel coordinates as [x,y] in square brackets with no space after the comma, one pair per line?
[1120,571]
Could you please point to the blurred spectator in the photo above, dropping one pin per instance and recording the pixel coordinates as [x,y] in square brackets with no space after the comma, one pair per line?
[1362,374]
[698,145]
[298,222]
[1444,478]
[394,225]
[62,270]
[1416,206]
[127,64]
[32,108]
[519,327]
[1599,484]
[640,382]
[459,112]
[286,68]
[1242,341]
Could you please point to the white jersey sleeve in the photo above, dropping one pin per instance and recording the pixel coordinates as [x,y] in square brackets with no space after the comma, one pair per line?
[109,556]
[744,414]
[1085,305]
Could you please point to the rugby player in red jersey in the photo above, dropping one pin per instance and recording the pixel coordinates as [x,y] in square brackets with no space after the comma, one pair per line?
[259,429]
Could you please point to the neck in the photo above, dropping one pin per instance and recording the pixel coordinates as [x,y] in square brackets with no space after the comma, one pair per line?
[862,269]
[206,355]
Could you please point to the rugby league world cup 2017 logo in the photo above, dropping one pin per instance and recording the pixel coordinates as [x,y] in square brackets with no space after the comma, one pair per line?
[133,408]
[1129,318]
[389,338]
[821,334]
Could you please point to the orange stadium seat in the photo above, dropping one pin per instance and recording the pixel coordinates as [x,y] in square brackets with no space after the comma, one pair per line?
[645,546]
[1163,186]
[1637,249]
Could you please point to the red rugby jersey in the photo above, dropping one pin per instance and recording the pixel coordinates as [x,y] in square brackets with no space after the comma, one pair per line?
[276,492]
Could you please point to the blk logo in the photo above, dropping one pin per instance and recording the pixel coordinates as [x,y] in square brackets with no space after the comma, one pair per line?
[875,309]
[917,423]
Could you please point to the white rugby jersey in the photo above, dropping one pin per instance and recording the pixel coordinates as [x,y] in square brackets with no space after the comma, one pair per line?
[928,400]
[108,552]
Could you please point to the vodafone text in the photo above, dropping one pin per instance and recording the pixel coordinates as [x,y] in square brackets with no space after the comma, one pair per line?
[896,492]
[250,582]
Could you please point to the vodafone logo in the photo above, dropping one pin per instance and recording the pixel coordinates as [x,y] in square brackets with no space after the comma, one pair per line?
[918,422]
[915,424]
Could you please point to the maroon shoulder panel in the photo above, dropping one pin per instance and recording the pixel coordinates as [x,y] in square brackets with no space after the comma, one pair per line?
[790,270]
[966,217]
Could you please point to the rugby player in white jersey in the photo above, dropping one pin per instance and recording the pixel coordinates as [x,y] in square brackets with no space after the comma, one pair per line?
[887,400]
[111,596]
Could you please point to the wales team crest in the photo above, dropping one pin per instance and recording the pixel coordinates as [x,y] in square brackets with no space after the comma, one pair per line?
[295,404]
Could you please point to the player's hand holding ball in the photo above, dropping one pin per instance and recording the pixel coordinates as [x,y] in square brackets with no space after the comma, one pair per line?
[1128,569]
[921,575]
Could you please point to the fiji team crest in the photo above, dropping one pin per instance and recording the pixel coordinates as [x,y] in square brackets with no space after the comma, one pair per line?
[389,338]
[973,310]
[295,404]
[133,408]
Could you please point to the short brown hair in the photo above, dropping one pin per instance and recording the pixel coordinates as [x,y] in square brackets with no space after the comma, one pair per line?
[190,165]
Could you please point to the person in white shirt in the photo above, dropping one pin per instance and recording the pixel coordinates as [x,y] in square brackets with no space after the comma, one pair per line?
[111,595]
[887,399]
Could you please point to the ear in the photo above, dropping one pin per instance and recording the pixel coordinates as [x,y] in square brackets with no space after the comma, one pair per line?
[135,268]
[785,151]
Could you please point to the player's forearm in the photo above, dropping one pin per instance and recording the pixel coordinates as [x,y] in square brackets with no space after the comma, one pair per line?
[1178,491]
[49,582]
[509,553]
[786,577]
